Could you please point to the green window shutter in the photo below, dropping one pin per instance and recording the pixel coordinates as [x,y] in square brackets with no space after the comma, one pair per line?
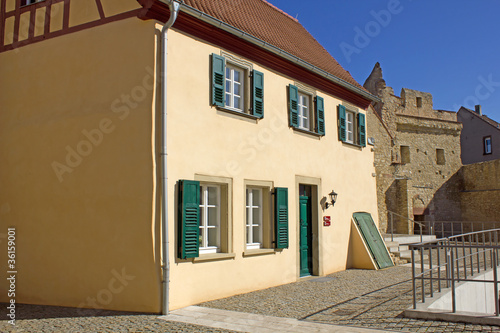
[218,78]
[293,105]
[320,115]
[281,217]
[189,219]
[342,129]
[361,130]
[258,94]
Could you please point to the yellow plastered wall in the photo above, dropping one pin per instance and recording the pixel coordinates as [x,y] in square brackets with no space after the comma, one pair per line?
[207,141]
[81,184]
[77,169]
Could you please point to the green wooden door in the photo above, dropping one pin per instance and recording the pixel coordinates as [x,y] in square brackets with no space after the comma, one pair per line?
[373,240]
[305,236]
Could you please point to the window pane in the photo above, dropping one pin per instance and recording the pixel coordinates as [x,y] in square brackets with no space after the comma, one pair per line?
[249,216]
[256,235]
[256,216]
[249,235]
[237,102]
[237,89]
[212,236]
[228,72]
[228,99]
[212,195]
[236,76]
[212,216]
[256,197]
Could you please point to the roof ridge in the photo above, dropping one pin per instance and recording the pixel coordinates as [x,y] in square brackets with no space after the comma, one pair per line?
[488,120]
[280,10]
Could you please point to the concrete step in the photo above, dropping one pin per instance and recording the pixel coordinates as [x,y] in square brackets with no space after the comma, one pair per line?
[408,239]
[406,254]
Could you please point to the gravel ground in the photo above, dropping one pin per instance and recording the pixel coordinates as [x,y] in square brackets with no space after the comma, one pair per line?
[38,318]
[360,298]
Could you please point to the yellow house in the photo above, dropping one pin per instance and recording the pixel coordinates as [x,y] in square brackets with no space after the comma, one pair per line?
[133,190]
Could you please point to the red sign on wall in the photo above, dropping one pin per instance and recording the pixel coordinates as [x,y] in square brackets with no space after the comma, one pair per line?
[326,221]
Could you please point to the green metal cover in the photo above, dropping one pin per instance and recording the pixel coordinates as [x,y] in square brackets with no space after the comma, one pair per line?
[373,240]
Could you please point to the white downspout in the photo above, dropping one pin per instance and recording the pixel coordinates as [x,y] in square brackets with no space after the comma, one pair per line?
[174,10]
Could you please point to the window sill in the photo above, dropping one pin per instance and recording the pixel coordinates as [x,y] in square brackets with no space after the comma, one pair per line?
[258,252]
[307,132]
[214,256]
[353,144]
[238,113]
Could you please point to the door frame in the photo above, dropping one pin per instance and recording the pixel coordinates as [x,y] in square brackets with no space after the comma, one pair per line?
[315,184]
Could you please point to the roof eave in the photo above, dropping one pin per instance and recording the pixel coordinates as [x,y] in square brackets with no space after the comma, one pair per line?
[271,48]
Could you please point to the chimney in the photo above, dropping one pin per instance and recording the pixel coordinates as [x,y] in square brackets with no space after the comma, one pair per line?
[478,110]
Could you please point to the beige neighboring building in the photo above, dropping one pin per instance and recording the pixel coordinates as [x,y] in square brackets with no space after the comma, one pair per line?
[417,156]
[261,125]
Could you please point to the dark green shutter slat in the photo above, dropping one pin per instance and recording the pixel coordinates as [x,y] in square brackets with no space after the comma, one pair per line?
[320,115]
[258,94]
[362,129]
[342,125]
[189,219]
[218,79]
[281,217]
[293,105]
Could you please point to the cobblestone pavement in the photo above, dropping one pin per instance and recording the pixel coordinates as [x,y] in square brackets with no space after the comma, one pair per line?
[37,318]
[361,298]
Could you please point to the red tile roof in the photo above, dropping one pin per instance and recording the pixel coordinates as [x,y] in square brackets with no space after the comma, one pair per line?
[264,21]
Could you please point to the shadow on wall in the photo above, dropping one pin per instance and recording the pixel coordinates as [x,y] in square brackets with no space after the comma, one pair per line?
[446,206]
[396,200]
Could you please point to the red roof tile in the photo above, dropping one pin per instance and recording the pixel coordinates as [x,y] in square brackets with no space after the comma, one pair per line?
[270,24]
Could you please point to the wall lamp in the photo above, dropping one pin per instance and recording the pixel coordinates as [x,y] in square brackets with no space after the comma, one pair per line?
[333,199]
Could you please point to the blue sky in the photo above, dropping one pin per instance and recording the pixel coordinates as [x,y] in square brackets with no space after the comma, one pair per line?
[448,48]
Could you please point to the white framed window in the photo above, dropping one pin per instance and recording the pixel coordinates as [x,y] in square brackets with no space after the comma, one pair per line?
[304,109]
[210,218]
[349,126]
[235,78]
[254,217]
[487,145]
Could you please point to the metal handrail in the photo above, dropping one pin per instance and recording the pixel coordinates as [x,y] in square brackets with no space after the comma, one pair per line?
[459,267]
[420,224]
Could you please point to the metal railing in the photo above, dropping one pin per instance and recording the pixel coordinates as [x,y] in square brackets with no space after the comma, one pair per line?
[450,228]
[456,259]
[421,225]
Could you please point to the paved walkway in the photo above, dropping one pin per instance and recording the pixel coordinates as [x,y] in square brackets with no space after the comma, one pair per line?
[253,323]
[340,302]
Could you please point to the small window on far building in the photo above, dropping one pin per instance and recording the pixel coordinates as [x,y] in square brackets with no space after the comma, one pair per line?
[440,158]
[487,145]
[419,102]
[405,154]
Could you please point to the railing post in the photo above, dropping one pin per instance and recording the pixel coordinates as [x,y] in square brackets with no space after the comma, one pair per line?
[439,265]
[495,278]
[422,272]
[392,226]
[449,266]
[477,254]
[430,269]
[414,283]
[453,300]
[421,237]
